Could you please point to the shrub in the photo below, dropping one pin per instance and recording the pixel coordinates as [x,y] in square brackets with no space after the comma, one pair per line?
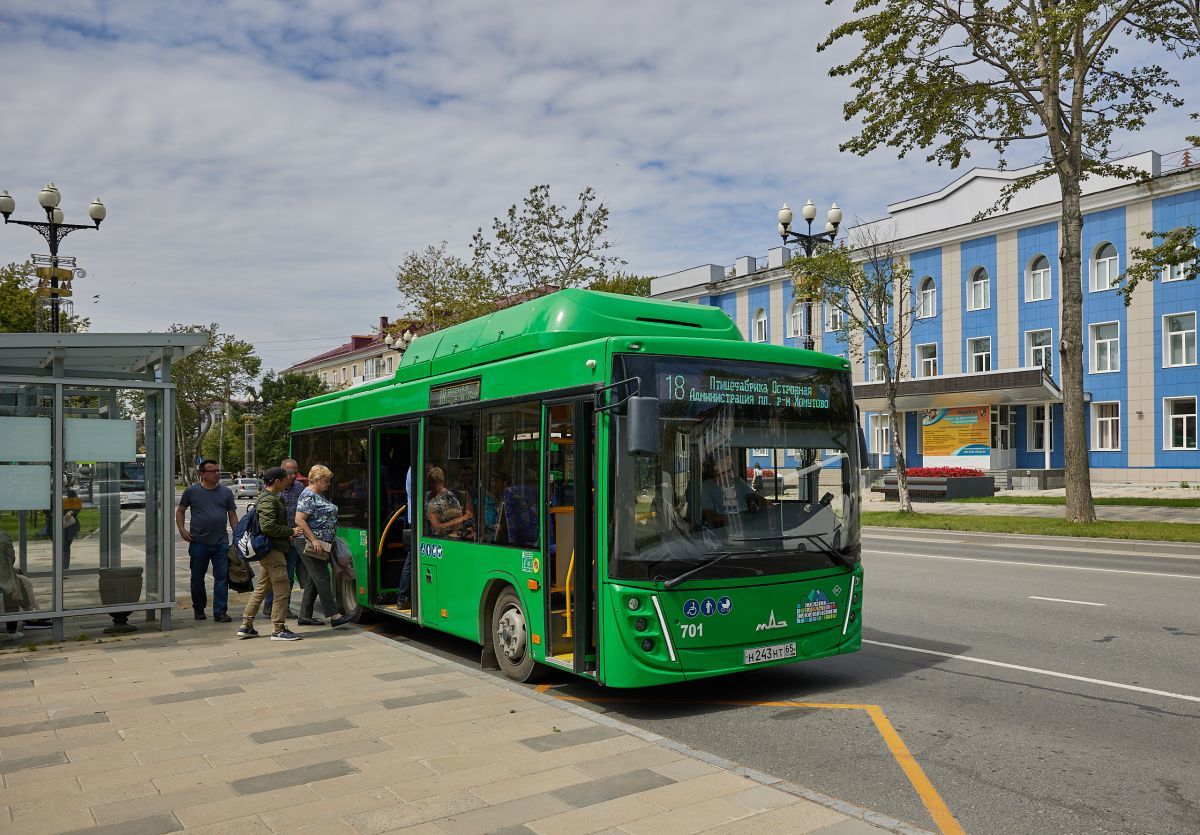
[944,472]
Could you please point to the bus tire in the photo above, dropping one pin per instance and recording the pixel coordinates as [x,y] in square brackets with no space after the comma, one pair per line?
[346,597]
[510,635]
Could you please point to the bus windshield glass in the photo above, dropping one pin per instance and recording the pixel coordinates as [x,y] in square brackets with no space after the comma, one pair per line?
[755,473]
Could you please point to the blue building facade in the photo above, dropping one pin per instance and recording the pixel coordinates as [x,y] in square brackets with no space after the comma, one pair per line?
[987,316]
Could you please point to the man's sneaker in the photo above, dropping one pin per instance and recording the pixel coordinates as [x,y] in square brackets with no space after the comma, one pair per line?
[222,618]
[340,620]
[200,615]
[247,632]
[309,622]
[14,636]
[285,634]
[37,624]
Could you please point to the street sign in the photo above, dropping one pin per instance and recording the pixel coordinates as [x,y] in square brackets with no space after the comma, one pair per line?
[49,273]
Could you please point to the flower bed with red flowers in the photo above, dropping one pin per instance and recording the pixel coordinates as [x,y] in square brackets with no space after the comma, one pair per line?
[944,472]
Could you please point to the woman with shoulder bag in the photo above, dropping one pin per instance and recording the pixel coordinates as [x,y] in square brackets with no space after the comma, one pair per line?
[317,517]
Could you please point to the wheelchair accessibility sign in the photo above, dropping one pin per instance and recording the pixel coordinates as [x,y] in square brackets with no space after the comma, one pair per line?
[428,549]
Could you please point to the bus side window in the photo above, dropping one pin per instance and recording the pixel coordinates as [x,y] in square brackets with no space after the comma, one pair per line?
[512,499]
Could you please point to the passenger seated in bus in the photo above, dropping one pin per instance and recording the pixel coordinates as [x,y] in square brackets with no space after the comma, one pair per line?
[491,507]
[520,519]
[717,503]
[442,509]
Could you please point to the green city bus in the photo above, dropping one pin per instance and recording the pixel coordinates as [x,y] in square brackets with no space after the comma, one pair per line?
[578,471]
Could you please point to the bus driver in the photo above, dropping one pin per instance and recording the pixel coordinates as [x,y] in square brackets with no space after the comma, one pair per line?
[718,503]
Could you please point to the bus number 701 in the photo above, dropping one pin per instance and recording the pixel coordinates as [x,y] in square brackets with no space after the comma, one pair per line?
[691,630]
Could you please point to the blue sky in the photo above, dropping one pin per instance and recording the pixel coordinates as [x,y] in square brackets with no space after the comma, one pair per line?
[267,164]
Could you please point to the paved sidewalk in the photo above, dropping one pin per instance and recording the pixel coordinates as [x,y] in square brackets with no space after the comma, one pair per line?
[344,731]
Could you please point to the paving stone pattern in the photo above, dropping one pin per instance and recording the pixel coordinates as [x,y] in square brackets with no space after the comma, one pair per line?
[194,730]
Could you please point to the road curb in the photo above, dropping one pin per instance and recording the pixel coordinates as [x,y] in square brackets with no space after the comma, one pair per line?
[849,809]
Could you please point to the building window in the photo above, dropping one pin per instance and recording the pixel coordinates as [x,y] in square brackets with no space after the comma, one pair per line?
[1041,427]
[389,365]
[881,434]
[1179,340]
[875,366]
[980,351]
[834,319]
[760,326]
[927,299]
[1037,280]
[1106,426]
[1178,272]
[1038,350]
[979,294]
[1105,268]
[1106,348]
[927,360]
[796,320]
[1180,418]
[344,374]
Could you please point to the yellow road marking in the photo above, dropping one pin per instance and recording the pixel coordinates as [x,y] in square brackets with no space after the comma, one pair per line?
[941,814]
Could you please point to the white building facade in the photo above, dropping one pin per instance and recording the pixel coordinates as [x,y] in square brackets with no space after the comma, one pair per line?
[984,347]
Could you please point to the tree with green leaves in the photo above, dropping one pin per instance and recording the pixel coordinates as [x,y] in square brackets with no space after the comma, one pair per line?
[948,77]
[204,382]
[20,304]
[863,281]
[543,245]
[279,394]
[535,249]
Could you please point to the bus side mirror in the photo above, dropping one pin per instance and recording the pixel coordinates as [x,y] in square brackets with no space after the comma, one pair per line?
[643,431]
[863,457]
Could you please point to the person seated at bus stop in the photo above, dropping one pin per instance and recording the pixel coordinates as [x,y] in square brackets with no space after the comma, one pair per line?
[718,503]
[272,521]
[443,510]
[212,508]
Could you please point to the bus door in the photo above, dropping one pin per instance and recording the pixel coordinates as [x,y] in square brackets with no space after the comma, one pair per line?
[394,453]
[569,570]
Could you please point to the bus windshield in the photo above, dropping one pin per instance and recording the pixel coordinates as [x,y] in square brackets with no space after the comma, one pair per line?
[756,472]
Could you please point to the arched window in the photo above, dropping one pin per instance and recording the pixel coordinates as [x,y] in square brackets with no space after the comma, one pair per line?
[1037,280]
[760,326]
[927,298]
[1105,268]
[796,320]
[979,296]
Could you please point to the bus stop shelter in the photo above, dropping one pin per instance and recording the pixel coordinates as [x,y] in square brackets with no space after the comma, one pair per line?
[87,475]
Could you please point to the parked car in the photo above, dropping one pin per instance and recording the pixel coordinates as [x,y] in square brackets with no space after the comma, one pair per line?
[247,488]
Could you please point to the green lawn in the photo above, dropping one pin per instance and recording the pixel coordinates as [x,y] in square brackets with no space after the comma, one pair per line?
[1037,526]
[89,521]
[1108,501]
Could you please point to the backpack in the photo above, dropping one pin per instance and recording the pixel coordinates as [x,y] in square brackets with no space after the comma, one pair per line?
[241,573]
[249,539]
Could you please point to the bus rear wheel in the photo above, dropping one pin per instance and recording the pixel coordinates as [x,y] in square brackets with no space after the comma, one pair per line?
[345,595]
[511,636]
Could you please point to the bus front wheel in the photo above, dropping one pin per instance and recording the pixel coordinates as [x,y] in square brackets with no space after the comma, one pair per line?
[511,634]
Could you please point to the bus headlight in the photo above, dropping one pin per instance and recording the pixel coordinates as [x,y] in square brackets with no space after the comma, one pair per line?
[634,604]
[640,624]
[647,644]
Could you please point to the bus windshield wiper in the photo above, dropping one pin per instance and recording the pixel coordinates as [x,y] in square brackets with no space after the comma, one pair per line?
[716,558]
[828,550]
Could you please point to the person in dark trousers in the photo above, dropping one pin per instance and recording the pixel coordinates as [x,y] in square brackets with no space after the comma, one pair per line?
[295,567]
[212,508]
[316,517]
[272,521]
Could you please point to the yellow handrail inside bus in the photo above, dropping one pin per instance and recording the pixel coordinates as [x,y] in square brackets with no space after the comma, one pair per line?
[388,527]
[567,613]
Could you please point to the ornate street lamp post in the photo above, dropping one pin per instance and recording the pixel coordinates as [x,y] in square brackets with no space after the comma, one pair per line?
[809,242]
[53,230]
[248,442]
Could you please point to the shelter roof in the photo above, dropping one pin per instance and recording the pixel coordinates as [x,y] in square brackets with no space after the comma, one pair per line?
[95,355]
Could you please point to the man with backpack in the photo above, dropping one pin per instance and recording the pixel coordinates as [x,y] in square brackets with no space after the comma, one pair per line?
[272,522]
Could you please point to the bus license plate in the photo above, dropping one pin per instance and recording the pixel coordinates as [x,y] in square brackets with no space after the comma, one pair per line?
[775,652]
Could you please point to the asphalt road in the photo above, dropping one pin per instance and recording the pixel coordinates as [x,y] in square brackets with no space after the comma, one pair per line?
[1076,708]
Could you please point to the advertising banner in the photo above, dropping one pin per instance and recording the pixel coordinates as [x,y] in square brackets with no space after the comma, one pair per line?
[963,432]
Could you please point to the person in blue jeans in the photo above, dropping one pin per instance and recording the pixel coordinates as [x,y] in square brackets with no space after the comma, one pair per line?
[212,509]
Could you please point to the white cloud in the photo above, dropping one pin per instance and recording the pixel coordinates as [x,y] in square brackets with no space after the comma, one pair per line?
[266,164]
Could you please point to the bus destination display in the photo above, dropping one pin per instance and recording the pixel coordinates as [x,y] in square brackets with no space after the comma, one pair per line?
[454,394]
[743,390]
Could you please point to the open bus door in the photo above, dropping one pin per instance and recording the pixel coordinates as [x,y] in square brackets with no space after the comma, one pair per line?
[569,570]
[390,545]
